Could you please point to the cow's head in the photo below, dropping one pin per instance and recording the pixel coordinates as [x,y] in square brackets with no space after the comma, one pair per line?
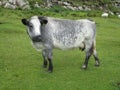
[34,27]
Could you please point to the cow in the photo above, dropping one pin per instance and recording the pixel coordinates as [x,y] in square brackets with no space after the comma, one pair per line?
[47,33]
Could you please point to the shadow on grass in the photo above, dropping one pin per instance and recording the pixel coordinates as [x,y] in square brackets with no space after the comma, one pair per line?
[116,84]
[1,22]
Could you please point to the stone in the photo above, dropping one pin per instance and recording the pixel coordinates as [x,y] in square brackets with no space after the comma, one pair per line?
[80,8]
[8,5]
[66,3]
[26,7]
[119,16]
[0,3]
[70,7]
[36,5]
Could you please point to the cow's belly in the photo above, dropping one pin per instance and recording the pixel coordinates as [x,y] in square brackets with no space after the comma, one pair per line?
[65,43]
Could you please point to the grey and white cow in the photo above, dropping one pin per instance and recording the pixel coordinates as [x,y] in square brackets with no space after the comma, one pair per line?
[47,33]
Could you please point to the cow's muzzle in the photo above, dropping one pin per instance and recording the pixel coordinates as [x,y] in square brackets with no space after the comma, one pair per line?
[37,38]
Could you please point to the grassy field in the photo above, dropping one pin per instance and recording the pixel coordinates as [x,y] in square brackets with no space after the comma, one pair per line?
[20,63]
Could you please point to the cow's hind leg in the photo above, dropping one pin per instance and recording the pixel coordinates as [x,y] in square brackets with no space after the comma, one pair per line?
[82,46]
[89,51]
[97,62]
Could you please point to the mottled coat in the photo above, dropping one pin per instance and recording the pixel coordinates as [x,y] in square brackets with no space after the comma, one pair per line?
[47,33]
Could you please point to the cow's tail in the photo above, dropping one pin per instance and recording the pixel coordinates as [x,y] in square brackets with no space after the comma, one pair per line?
[94,39]
[94,45]
[93,48]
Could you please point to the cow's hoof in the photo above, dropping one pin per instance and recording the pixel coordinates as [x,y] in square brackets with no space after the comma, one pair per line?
[97,64]
[44,66]
[50,71]
[84,67]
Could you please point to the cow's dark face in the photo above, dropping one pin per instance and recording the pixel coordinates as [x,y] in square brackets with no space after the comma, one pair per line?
[34,28]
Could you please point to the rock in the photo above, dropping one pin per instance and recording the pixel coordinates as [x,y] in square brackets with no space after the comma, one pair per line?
[12,1]
[111,12]
[60,2]
[75,8]
[65,7]
[21,3]
[36,5]
[101,8]
[13,4]
[49,4]
[119,16]
[26,7]
[8,5]
[4,2]
[70,7]
[104,15]
[92,6]
[87,9]
[0,3]
[66,3]
[80,8]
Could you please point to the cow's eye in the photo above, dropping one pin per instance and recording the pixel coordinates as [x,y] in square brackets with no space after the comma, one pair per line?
[31,26]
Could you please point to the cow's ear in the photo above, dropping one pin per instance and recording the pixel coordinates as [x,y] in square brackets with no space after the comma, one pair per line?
[44,21]
[25,22]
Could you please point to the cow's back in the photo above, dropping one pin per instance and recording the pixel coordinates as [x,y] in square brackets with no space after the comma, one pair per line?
[67,34]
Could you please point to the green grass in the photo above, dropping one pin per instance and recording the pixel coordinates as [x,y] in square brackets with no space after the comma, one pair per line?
[20,63]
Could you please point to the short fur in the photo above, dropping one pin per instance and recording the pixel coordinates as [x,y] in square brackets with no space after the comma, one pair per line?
[47,33]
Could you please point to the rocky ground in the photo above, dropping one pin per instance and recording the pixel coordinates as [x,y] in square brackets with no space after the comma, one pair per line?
[25,4]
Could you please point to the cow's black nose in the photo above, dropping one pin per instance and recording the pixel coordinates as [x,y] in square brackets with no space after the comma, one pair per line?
[37,38]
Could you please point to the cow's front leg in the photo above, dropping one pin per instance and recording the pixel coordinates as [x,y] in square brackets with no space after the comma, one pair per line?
[44,54]
[50,68]
[49,56]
